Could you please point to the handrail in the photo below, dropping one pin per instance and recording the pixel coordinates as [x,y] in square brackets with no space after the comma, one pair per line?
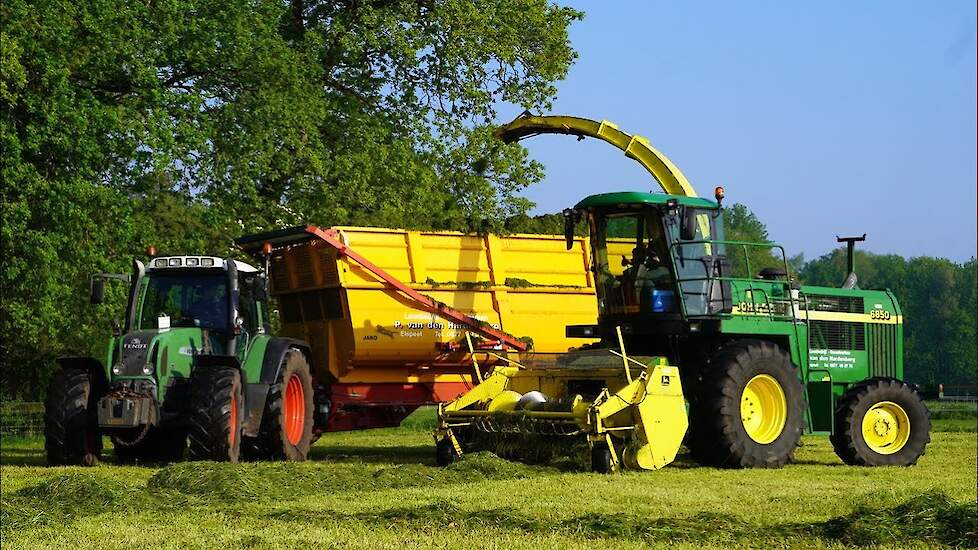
[751,290]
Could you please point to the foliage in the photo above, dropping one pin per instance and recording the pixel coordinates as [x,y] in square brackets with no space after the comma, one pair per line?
[740,224]
[185,123]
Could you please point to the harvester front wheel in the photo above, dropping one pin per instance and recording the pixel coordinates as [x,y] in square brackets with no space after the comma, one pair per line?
[881,422]
[749,409]
[287,421]
[71,434]
[216,414]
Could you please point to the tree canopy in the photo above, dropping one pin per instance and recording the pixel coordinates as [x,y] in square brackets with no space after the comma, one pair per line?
[185,123]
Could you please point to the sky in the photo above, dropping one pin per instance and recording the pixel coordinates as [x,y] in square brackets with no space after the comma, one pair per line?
[825,118]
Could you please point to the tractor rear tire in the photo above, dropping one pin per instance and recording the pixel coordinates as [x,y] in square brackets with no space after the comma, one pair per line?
[71,434]
[216,414]
[891,414]
[286,426]
[749,409]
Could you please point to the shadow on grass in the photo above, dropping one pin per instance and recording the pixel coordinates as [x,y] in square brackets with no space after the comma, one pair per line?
[398,454]
[22,451]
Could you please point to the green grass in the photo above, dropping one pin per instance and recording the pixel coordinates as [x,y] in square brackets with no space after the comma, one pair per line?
[380,489]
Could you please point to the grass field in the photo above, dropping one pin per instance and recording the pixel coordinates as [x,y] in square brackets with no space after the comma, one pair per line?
[380,489]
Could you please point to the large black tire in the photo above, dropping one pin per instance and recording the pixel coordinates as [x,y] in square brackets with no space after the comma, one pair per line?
[717,435]
[216,414]
[848,439]
[285,432]
[71,434]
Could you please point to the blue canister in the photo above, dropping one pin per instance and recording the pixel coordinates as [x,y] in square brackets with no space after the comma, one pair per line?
[663,301]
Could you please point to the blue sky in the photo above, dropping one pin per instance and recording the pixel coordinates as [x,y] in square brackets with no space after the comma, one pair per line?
[824,118]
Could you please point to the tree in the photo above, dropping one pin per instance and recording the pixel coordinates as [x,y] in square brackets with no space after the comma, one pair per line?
[187,123]
[740,224]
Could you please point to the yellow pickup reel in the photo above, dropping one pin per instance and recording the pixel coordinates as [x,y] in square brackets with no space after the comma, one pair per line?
[630,414]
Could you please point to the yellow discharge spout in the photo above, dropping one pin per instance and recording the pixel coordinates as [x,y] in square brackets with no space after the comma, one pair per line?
[636,147]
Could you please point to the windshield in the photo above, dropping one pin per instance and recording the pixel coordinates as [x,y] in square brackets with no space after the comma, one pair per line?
[631,268]
[696,261]
[189,300]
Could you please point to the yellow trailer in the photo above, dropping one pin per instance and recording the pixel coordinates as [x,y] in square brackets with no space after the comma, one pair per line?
[356,296]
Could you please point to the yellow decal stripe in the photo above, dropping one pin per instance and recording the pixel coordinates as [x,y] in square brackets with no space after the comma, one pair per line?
[831,316]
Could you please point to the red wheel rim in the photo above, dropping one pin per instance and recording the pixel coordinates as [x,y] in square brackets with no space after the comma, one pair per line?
[233,432]
[294,410]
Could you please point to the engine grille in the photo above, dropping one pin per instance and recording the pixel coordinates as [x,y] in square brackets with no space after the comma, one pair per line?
[836,335]
[842,304]
[883,350]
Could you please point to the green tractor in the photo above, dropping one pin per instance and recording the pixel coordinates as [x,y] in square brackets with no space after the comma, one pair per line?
[194,361]
[762,358]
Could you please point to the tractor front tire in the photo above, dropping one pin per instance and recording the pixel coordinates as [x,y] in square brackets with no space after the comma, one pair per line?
[881,422]
[286,426]
[749,408]
[215,415]
[71,434]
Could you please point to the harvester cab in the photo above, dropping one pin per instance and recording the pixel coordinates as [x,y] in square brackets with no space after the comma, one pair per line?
[660,256]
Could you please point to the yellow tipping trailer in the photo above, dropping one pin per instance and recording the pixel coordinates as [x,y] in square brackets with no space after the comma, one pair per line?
[378,348]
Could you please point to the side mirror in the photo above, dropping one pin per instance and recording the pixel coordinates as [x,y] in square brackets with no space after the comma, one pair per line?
[570,221]
[97,290]
[260,289]
[688,229]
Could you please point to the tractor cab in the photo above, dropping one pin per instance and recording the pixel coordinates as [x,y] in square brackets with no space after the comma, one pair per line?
[182,311]
[214,296]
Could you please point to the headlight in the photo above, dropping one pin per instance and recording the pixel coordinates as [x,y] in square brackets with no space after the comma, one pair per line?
[117,369]
[148,368]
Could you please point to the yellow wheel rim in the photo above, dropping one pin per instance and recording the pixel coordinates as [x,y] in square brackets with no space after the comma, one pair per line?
[886,428]
[763,409]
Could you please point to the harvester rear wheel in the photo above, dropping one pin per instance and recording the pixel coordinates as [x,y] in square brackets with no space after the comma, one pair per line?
[749,408]
[881,422]
[71,434]
[287,421]
[601,459]
[216,414]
